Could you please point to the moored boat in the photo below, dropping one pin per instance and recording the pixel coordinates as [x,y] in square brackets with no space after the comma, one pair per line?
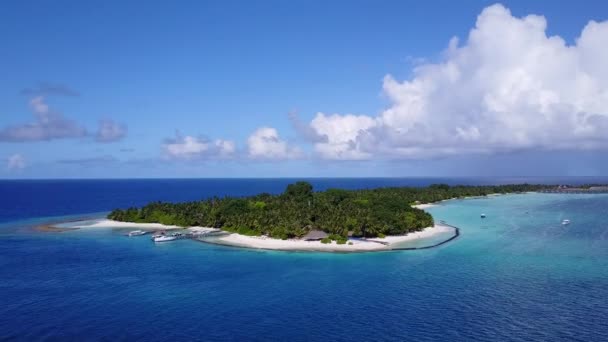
[163,238]
[483,215]
[136,233]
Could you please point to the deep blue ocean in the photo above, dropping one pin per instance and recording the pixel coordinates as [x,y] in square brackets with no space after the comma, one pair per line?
[518,275]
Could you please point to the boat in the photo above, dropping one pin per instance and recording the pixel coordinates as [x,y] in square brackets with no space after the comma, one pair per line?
[136,233]
[163,238]
[483,215]
[158,234]
[565,222]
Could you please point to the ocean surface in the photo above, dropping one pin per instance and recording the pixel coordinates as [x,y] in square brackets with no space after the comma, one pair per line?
[517,275]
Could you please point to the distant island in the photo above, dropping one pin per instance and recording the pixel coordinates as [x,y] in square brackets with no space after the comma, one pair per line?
[299,211]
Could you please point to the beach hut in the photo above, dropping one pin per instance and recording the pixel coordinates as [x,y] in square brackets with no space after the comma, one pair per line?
[315,235]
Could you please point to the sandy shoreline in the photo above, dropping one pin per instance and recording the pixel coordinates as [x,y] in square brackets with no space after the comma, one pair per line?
[107,223]
[431,205]
[424,205]
[358,245]
[263,242]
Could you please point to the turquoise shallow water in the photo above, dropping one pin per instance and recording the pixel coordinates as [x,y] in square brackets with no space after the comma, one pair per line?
[529,226]
[518,275]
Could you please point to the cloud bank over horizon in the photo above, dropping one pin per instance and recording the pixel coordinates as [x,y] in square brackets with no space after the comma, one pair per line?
[509,87]
[505,90]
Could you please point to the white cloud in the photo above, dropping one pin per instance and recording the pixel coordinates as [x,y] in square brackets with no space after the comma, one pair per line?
[48,125]
[193,148]
[110,131]
[39,106]
[15,162]
[265,144]
[304,130]
[185,147]
[225,148]
[508,87]
[341,133]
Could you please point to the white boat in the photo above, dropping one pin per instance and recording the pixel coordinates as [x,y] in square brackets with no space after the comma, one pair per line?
[136,233]
[163,238]
[565,222]
[483,215]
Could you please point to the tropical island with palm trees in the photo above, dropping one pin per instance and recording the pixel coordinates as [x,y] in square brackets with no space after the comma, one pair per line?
[334,219]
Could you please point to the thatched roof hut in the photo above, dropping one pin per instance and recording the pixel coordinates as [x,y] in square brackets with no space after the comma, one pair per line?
[315,235]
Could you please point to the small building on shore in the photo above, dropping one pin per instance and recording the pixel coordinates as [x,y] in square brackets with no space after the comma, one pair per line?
[315,235]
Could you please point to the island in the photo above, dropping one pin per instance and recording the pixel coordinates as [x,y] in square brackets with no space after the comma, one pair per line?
[302,219]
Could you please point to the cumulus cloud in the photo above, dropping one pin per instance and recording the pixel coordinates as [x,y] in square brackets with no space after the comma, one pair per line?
[110,131]
[265,144]
[15,162]
[508,87]
[304,130]
[47,125]
[342,134]
[224,148]
[195,148]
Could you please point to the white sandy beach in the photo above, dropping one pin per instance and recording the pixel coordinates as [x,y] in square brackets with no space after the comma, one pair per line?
[263,242]
[424,206]
[106,223]
[424,234]
[431,205]
[375,244]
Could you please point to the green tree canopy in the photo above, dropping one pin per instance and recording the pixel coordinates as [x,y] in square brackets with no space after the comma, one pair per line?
[367,212]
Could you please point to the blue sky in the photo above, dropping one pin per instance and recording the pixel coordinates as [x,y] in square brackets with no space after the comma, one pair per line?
[300,88]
